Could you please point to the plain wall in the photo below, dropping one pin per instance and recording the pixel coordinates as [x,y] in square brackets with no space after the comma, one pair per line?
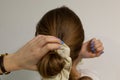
[100,18]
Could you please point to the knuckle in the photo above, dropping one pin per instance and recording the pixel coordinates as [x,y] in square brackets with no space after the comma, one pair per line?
[32,49]
[98,49]
[46,39]
[40,36]
[48,46]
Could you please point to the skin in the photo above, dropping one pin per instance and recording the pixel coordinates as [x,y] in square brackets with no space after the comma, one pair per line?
[87,53]
[28,56]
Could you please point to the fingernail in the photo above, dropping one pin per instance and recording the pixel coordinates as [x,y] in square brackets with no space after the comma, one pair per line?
[93,50]
[62,42]
[92,42]
[92,45]
[102,52]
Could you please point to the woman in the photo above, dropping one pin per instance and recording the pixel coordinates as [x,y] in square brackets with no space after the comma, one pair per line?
[64,24]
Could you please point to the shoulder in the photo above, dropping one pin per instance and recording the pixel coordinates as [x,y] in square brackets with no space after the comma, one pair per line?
[90,73]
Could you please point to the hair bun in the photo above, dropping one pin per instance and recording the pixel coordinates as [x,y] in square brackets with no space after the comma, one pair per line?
[51,64]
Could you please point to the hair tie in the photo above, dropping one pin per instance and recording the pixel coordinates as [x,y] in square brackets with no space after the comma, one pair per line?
[63,51]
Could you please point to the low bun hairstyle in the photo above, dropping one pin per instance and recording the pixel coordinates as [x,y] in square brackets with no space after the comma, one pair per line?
[51,64]
[64,24]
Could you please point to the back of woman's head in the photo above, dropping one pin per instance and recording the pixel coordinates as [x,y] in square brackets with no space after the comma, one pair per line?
[66,25]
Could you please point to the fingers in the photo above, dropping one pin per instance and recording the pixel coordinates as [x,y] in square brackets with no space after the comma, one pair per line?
[96,54]
[42,40]
[34,50]
[41,44]
[96,47]
[92,46]
[46,43]
[49,47]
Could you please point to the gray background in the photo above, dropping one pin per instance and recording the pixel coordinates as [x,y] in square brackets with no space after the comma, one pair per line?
[100,18]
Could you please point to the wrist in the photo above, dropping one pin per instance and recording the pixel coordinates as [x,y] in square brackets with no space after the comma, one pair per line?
[10,63]
[77,61]
[2,67]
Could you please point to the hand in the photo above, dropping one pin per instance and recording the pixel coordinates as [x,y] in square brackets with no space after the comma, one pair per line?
[28,56]
[90,49]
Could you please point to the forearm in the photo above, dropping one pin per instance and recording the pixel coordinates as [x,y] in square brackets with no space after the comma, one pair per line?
[77,61]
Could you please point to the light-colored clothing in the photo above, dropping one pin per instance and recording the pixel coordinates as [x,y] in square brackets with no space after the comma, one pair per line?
[90,73]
